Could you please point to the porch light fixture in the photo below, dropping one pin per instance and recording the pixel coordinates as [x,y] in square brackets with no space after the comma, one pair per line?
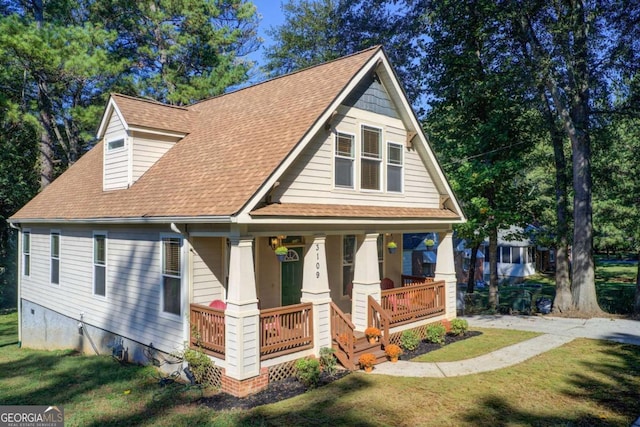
[274,242]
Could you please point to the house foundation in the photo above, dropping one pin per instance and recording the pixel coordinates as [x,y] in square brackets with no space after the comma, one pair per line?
[246,387]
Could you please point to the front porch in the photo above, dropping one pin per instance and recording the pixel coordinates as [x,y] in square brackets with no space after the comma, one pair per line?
[338,297]
[287,330]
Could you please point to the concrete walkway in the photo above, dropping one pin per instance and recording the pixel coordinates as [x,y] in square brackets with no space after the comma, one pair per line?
[557,331]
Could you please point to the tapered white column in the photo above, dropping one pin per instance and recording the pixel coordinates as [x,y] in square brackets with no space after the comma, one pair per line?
[315,289]
[366,280]
[445,270]
[242,317]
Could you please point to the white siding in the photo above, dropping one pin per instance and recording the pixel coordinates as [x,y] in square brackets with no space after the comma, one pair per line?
[208,270]
[132,305]
[147,150]
[310,179]
[116,162]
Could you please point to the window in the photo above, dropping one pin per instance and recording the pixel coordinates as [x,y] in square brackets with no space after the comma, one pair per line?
[516,255]
[344,157]
[394,167]
[115,144]
[100,264]
[55,258]
[348,255]
[171,275]
[26,253]
[505,252]
[371,158]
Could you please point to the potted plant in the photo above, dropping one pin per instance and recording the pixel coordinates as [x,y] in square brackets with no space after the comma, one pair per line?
[429,243]
[392,246]
[372,333]
[393,352]
[281,252]
[367,361]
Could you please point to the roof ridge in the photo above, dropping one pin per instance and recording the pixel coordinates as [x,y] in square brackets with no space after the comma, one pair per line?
[287,75]
[149,101]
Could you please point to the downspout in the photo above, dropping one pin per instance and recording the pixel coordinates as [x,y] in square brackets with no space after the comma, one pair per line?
[19,278]
[186,274]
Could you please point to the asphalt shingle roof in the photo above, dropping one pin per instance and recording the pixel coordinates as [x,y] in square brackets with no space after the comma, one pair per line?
[234,142]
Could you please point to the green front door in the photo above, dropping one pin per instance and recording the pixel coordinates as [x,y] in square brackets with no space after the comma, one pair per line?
[292,277]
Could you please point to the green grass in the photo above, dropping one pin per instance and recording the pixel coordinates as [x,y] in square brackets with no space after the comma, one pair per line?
[584,383]
[490,340]
[615,289]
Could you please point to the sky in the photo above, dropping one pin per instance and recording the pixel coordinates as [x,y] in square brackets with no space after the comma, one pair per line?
[272,15]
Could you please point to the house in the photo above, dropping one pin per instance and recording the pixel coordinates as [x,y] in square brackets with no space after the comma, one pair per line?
[516,255]
[164,232]
[462,259]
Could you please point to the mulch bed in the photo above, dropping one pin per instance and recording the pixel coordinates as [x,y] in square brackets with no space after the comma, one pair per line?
[291,387]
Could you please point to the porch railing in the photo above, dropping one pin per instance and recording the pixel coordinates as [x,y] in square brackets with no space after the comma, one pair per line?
[342,330]
[207,330]
[285,330]
[415,280]
[379,318]
[414,302]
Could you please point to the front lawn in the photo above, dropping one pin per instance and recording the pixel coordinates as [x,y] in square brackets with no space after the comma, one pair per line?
[584,383]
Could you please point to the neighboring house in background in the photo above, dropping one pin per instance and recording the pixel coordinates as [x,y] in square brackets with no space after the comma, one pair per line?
[164,233]
[516,255]
[462,260]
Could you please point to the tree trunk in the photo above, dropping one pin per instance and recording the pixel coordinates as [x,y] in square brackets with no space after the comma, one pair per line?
[471,281]
[636,305]
[493,268]
[563,300]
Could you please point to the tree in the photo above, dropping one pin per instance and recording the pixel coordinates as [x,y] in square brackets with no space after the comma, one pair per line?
[478,123]
[617,197]
[76,52]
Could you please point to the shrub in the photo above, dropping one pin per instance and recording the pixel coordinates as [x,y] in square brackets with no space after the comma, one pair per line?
[367,359]
[459,326]
[199,363]
[436,333]
[409,340]
[328,360]
[308,371]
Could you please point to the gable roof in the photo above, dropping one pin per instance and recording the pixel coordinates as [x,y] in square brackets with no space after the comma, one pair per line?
[235,146]
[147,114]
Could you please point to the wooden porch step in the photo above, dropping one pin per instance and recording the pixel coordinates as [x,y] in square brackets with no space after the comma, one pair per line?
[362,346]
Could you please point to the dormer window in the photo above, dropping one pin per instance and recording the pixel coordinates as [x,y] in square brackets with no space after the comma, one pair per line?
[115,144]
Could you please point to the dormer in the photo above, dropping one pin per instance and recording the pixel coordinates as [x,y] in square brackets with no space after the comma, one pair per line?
[136,133]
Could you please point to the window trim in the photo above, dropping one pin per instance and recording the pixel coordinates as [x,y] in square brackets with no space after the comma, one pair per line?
[53,256]
[390,165]
[181,276]
[353,158]
[379,159]
[26,252]
[104,265]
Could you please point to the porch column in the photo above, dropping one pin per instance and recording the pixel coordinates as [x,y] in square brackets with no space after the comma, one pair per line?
[445,270]
[242,317]
[315,289]
[366,280]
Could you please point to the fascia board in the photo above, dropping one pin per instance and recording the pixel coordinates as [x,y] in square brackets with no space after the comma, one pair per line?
[111,107]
